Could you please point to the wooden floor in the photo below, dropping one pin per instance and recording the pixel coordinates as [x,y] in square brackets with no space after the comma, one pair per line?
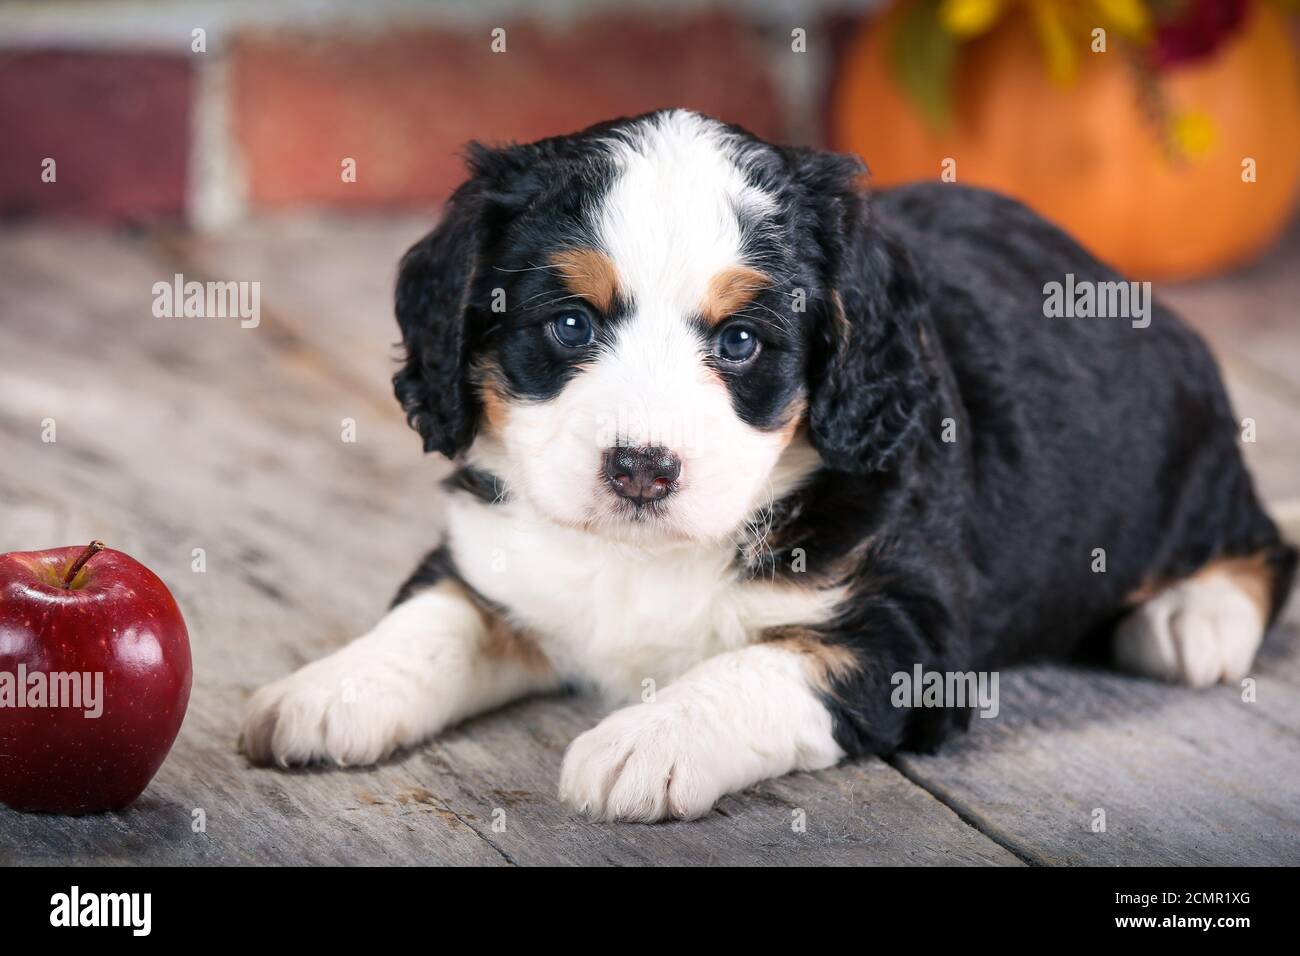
[176,434]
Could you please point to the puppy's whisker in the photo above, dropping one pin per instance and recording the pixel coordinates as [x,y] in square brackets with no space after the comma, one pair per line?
[547,267]
[549,302]
[782,321]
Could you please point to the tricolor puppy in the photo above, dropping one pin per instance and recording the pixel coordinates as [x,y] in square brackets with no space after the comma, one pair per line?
[736,444]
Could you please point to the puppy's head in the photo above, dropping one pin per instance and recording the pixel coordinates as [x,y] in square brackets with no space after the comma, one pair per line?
[651,328]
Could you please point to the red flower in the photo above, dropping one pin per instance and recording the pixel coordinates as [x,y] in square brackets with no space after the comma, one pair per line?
[1196,29]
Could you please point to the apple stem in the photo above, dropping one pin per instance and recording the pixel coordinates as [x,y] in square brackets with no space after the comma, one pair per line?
[92,549]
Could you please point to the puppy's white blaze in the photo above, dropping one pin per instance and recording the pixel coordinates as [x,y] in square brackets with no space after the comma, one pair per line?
[669,221]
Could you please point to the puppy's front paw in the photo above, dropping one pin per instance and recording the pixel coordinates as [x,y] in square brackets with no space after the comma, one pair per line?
[643,763]
[327,711]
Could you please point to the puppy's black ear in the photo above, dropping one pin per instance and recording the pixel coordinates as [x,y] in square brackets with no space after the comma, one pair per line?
[868,387]
[432,288]
[434,297]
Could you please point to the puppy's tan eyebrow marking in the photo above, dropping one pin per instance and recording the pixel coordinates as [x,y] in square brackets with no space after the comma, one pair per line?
[730,291]
[588,273]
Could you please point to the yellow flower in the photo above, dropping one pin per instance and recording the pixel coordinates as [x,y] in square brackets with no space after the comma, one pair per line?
[1193,133]
[968,18]
[1128,18]
[1058,44]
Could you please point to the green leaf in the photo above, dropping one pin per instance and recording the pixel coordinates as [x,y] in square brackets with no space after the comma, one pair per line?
[924,57]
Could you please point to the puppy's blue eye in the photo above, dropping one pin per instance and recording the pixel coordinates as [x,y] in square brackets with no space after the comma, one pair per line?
[737,343]
[572,329]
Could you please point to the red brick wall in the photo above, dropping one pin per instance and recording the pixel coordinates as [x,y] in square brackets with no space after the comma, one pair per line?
[401,102]
[404,103]
[116,125]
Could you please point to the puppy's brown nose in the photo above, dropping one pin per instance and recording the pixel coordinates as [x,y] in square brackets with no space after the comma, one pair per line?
[642,474]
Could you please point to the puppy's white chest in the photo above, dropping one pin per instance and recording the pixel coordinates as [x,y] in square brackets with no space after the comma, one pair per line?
[614,614]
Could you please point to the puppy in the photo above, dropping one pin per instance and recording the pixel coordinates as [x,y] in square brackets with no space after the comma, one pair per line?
[738,445]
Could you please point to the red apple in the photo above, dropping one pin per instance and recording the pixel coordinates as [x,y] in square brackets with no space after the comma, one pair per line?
[94,678]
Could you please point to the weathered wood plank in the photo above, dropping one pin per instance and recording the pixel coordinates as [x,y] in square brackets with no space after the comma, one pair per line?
[506,768]
[1277,677]
[331,283]
[1183,776]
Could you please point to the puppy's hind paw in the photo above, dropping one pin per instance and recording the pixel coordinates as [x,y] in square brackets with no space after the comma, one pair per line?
[1198,632]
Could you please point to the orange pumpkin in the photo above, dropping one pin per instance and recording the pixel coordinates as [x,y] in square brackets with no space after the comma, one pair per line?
[1085,155]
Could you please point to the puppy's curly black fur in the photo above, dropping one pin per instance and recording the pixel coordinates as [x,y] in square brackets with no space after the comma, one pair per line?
[1070,435]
